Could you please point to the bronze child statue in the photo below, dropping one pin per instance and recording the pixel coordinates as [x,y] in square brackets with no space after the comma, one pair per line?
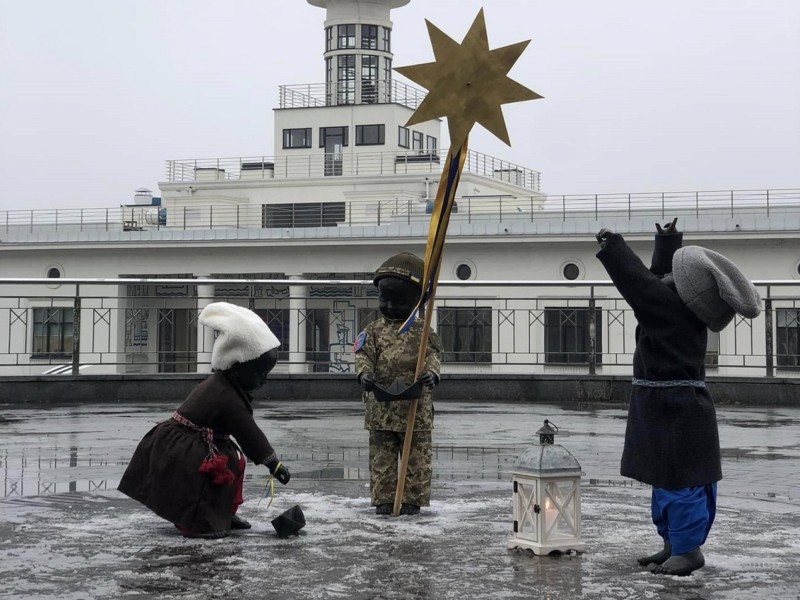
[188,469]
[386,363]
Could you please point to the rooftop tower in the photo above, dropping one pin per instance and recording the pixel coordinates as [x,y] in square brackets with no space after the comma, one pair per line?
[358,50]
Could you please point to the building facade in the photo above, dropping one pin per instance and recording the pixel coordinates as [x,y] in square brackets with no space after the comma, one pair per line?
[296,233]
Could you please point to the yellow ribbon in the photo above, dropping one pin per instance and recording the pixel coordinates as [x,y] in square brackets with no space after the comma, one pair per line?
[269,488]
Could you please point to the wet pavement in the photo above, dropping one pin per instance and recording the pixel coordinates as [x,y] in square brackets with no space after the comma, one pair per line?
[67,533]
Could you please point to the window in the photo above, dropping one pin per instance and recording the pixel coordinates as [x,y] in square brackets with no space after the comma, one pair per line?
[278,321]
[330,83]
[386,44]
[297,138]
[53,273]
[310,214]
[571,271]
[346,36]
[328,39]
[387,80]
[712,350]
[463,271]
[416,138]
[370,135]
[788,337]
[566,338]
[402,136]
[336,135]
[369,79]
[466,334]
[52,332]
[346,91]
[430,143]
[369,37]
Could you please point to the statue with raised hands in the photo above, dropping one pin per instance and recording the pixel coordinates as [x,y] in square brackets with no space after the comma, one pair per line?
[671,438]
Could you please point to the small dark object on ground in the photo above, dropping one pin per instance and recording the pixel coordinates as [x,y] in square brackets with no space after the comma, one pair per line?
[289,522]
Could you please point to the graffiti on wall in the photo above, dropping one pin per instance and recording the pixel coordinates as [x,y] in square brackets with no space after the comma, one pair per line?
[136,332]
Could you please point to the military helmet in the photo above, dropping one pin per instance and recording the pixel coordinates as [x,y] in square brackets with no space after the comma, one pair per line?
[405,266]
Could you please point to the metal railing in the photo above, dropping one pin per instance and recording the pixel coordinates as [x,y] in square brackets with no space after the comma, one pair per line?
[345,164]
[149,326]
[312,95]
[632,212]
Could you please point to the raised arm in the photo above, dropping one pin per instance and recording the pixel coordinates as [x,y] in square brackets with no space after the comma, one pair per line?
[651,300]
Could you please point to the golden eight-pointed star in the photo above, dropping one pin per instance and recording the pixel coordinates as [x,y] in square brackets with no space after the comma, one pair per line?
[468,82]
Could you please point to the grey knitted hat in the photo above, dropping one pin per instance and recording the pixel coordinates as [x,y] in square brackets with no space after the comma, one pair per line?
[712,287]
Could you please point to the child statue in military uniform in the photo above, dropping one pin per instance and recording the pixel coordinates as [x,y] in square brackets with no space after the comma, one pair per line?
[671,438]
[386,359]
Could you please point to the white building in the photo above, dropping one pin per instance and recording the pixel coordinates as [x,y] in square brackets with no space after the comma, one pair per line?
[345,186]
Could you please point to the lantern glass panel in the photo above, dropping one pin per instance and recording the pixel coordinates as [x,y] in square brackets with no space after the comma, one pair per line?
[559,510]
[524,513]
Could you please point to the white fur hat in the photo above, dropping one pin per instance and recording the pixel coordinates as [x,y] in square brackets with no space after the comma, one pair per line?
[243,335]
[713,287]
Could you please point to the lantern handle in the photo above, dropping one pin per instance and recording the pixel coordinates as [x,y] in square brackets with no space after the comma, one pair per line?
[549,422]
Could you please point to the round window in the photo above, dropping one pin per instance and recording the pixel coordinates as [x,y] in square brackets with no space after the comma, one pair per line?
[53,273]
[463,271]
[571,271]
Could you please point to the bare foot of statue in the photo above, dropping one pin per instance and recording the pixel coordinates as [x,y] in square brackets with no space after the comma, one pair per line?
[383,509]
[681,564]
[657,558]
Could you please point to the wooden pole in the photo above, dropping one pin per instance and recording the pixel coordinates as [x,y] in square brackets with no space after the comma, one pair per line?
[445,193]
[412,408]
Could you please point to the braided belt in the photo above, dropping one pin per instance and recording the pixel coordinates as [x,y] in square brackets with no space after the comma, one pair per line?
[215,464]
[206,432]
[671,383]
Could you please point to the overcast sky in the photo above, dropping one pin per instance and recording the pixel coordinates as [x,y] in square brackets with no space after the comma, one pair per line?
[640,95]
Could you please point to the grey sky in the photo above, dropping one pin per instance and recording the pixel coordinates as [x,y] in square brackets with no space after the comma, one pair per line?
[655,95]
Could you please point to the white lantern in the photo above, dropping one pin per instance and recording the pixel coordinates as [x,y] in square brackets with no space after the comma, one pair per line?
[547,497]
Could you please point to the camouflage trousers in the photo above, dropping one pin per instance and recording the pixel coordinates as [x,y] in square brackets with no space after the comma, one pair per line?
[385,450]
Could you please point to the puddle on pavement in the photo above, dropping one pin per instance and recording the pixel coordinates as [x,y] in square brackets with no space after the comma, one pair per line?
[756,454]
[50,470]
[86,449]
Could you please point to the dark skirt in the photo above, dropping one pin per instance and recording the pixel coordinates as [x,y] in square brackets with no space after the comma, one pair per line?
[164,475]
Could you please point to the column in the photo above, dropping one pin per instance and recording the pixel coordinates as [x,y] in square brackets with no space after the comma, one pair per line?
[297,327]
[205,335]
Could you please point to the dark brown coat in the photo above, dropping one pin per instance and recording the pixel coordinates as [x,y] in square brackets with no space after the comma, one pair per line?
[164,471]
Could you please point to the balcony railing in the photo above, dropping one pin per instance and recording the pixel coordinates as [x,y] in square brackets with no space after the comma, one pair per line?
[710,211]
[107,326]
[345,164]
[312,95]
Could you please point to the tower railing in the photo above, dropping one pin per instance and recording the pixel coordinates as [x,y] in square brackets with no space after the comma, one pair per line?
[364,91]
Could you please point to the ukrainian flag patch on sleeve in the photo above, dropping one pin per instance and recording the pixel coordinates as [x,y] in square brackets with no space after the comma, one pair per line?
[359,343]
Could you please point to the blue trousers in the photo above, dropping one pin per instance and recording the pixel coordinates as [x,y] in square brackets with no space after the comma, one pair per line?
[684,516]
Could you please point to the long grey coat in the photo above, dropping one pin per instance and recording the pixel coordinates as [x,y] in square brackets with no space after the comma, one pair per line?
[671,438]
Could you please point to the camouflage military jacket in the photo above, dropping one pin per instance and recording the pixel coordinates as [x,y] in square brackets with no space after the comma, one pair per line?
[391,355]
